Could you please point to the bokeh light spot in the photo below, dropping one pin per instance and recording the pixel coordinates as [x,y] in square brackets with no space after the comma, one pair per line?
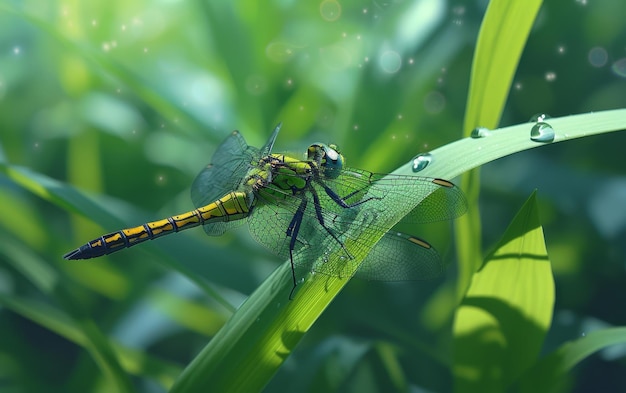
[330,10]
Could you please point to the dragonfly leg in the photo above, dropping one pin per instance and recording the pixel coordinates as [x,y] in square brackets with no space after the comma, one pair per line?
[292,232]
[342,201]
[320,219]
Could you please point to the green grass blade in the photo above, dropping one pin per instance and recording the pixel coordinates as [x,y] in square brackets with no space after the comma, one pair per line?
[73,200]
[132,361]
[502,37]
[503,34]
[546,374]
[48,281]
[501,324]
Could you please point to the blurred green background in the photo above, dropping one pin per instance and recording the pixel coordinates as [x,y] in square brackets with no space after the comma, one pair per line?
[127,100]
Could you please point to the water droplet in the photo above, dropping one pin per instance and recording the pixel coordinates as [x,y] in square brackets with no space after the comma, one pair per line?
[537,117]
[421,161]
[542,132]
[301,280]
[480,132]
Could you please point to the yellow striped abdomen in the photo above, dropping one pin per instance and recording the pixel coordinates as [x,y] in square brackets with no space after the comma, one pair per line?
[232,206]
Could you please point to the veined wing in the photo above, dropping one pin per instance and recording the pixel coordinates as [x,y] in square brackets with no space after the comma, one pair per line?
[401,257]
[229,165]
[437,199]
[325,226]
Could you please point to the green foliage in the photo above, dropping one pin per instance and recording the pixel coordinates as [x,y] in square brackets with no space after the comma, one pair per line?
[109,109]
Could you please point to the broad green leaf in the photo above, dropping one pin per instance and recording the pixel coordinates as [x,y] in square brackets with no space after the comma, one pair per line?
[501,323]
[546,374]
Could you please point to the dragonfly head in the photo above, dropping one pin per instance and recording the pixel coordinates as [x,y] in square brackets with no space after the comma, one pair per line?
[327,158]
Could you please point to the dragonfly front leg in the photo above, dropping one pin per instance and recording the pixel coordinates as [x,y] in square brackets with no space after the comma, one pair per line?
[342,201]
[320,219]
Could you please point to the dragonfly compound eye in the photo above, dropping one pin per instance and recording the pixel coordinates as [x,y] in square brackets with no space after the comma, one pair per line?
[332,162]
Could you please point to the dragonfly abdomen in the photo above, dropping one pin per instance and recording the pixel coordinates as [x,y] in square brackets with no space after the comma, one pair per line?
[232,206]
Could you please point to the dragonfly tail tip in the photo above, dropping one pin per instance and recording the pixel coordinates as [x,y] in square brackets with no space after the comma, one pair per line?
[73,255]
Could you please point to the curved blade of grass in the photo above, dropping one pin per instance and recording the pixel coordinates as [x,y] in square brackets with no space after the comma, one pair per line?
[250,348]
[107,67]
[48,281]
[73,200]
[500,326]
[132,361]
[546,374]
[503,34]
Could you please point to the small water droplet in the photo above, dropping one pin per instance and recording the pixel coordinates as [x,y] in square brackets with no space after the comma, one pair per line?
[480,132]
[301,280]
[421,161]
[583,334]
[542,132]
[537,117]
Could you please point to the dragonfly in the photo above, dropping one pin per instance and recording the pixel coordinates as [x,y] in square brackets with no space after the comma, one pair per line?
[305,207]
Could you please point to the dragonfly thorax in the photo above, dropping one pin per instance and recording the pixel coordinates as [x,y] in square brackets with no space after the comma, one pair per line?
[327,158]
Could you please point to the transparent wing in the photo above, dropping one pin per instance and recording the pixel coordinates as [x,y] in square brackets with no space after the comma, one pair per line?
[438,200]
[229,165]
[330,229]
[321,231]
[401,257]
